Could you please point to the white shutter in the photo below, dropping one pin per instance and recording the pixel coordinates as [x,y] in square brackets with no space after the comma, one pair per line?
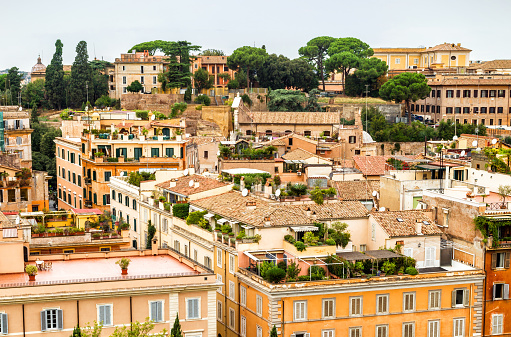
[159,311]
[5,329]
[43,320]
[506,292]
[102,319]
[108,315]
[60,319]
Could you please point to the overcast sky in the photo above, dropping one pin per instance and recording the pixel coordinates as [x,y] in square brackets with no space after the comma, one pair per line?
[30,28]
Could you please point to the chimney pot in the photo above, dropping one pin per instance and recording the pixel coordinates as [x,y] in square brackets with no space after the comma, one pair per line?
[418,227]
[196,184]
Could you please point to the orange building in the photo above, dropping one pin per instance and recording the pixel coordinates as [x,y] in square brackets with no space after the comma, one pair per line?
[214,65]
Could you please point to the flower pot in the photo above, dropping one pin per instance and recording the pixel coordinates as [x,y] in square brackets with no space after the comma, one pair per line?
[124,271]
[31,278]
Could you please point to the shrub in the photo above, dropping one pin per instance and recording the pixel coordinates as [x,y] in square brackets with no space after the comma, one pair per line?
[180,210]
[330,242]
[203,99]
[143,114]
[275,274]
[177,109]
[303,278]
[310,239]
[226,228]
[317,196]
[195,217]
[293,270]
[30,269]
[289,238]
[411,271]
[282,265]
[316,272]
[264,267]
[241,235]
[135,177]
[299,189]
[246,99]
[188,94]
[300,246]
[388,267]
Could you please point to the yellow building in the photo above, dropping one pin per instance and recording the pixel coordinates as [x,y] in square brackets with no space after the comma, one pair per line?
[446,55]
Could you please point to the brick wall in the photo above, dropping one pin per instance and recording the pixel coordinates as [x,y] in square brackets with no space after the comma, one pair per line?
[156,102]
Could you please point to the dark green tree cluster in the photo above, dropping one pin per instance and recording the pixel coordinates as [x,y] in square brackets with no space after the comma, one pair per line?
[81,76]
[279,72]
[10,86]
[178,73]
[247,59]
[382,131]
[212,52]
[203,80]
[54,79]
[43,149]
[293,100]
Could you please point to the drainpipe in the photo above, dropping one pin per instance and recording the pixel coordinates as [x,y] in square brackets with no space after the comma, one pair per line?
[78,312]
[23,314]
[484,295]
[283,317]
[131,311]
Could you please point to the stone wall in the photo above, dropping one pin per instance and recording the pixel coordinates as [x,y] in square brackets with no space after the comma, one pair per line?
[406,148]
[156,102]
[220,115]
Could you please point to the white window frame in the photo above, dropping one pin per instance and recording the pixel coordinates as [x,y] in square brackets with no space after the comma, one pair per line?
[232,319]
[98,306]
[384,327]
[4,323]
[219,279]
[434,293]
[398,60]
[162,311]
[352,300]
[259,305]
[323,302]
[259,331]
[232,290]
[198,299]
[243,326]
[497,324]
[328,333]
[405,325]
[243,296]
[56,312]
[231,263]
[219,311]
[355,331]
[301,313]
[434,328]
[385,298]
[405,295]
[218,257]
[458,327]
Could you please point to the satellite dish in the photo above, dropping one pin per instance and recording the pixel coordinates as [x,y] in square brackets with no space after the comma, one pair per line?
[494,141]
[375,193]
[474,143]
[277,193]
[478,149]
[122,174]
[463,153]
[455,138]
[191,183]
[244,192]
[185,172]
[382,209]
[20,109]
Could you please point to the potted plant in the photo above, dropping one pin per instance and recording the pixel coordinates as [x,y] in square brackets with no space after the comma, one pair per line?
[123,263]
[401,271]
[31,270]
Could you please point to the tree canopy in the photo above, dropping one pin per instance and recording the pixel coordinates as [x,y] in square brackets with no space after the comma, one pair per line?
[370,71]
[279,72]
[81,76]
[246,58]
[135,86]
[316,52]
[54,78]
[202,79]
[178,73]
[405,87]
[286,100]
[212,52]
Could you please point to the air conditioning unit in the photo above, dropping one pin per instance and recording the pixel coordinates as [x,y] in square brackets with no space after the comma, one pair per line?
[299,173]
[412,67]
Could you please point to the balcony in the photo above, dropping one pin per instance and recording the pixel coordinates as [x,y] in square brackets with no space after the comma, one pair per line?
[88,181]
[88,204]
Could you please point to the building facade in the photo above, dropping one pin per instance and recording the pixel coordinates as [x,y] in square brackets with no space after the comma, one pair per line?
[70,182]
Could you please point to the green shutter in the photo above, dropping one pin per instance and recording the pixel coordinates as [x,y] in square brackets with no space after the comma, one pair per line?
[95,198]
[169,152]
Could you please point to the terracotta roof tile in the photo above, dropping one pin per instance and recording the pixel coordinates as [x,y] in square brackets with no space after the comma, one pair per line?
[447,47]
[301,154]
[182,185]
[357,190]
[492,65]
[395,228]
[471,81]
[371,165]
[337,210]
[288,117]
[199,140]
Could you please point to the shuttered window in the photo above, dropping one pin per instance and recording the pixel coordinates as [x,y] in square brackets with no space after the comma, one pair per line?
[458,327]
[355,306]
[434,299]
[408,301]
[105,314]
[382,331]
[434,328]
[51,319]
[156,311]
[300,310]
[4,327]
[382,304]
[497,321]
[500,260]
[356,332]
[328,307]
[243,296]
[460,298]
[409,329]
[192,308]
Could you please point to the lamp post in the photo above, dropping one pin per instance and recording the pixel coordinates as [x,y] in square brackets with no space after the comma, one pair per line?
[87,88]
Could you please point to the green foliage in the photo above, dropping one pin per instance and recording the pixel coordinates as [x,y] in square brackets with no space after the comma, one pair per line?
[339,233]
[241,235]
[411,271]
[226,228]
[316,273]
[176,328]
[195,217]
[310,239]
[279,72]
[105,101]
[388,267]
[91,331]
[337,265]
[135,86]
[298,189]
[77,332]
[212,52]
[275,274]
[289,238]
[370,71]
[177,109]
[246,99]
[315,52]
[300,246]
[330,242]
[286,100]
[34,93]
[188,94]
[273,332]
[251,178]
[143,114]
[247,58]
[180,210]
[264,267]
[203,80]
[13,82]
[151,230]
[489,227]
[81,74]
[496,164]
[136,177]
[317,196]
[137,329]
[293,270]
[203,99]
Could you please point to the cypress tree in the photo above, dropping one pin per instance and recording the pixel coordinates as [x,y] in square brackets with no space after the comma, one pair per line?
[273,332]
[54,80]
[81,76]
[176,329]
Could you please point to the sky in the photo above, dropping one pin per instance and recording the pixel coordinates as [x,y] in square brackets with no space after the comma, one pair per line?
[30,28]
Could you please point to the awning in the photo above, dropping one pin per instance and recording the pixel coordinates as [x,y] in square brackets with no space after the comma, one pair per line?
[222,221]
[10,233]
[382,254]
[25,214]
[208,216]
[232,222]
[305,229]
[430,167]
[247,226]
[354,256]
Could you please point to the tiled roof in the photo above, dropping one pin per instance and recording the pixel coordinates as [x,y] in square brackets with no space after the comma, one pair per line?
[214,59]
[471,81]
[371,165]
[357,190]
[125,125]
[87,211]
[447,47]
[398,50]
[301,154]
[288,117]
[199,140]
[182,185]
[165,124]
[490,65]
[337,210]
[394,228]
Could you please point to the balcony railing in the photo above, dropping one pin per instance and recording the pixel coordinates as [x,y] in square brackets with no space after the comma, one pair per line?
[88,181]
[88,204]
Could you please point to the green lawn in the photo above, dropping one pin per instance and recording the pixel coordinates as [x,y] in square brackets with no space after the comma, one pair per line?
[353,100]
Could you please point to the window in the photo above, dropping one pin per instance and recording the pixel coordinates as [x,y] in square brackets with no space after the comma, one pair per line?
[457,110]
[373,232]
[328,333]
[11,195]
[134,204]
[243,326]
[500,291]
[460,298]
[500,260]
[3,324]
[232,292]
[408,301]
[93,175]
[382,304]
[232,319]
[219,313]
[142,81]
[448,110]
[434,328]
[466,93]
[356,332]
[409,329]
[219,257]
[192,308]
[500,110]
[51,319]
[484,93]
[352,139]
[449,94]
[259,305]
[466,110]
[127,201]
[355,306]
[363,248]
[23,194]
[207,262]
[79,180]
[475,110]
[177,246]
[484,110]
[415,61]
[300,310]
[328,307]
[108,174]
[458,327]
[398,60]
[259,331]
[501,93]
[156,311]
[434,299]
[497,321]
[106,199]
[458,94]
[105,314]
[492,110]
[493,93]
[243,296]
[219,279]
[154,79]
[206,154]
[382,331]
[124,79]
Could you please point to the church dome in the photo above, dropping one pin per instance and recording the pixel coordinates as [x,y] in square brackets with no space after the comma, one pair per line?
[366,138]
[39,67]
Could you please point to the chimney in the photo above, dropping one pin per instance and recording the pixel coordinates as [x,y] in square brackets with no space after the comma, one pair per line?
[458,44]
[308,211]
[196,184]
[418,227]
[154,246]
[251,205]
[123,122]
[172,184]
[267,222]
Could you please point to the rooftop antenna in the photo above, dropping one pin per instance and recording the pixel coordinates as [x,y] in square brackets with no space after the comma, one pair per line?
[94,45]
